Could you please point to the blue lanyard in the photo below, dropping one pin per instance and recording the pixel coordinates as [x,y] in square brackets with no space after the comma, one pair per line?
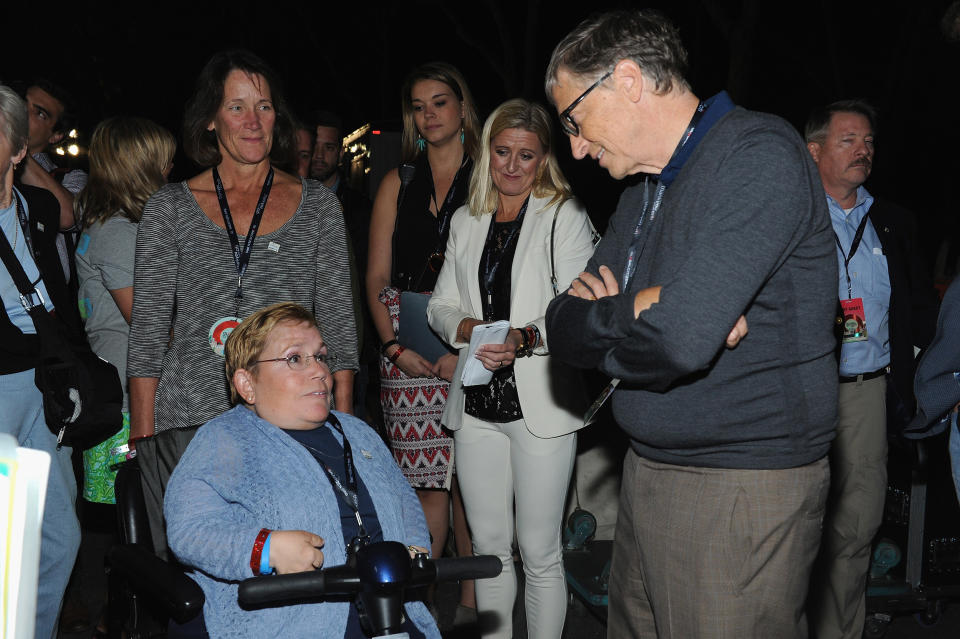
[651,205]
[635,246]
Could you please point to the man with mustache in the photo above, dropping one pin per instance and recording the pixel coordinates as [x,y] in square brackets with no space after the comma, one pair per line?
[887,307]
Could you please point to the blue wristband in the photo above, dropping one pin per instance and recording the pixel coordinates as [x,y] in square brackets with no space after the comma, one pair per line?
[265,568]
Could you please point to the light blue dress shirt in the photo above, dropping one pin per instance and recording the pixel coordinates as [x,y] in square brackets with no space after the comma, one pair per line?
[870,280]
[8,290]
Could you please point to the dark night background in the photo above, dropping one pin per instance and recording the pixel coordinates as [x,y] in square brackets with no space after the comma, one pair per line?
[780,57]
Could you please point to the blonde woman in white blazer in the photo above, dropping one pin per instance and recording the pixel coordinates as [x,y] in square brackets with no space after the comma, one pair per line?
[516,437]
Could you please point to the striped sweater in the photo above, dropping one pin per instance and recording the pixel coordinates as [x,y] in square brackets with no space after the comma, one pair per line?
[185,281]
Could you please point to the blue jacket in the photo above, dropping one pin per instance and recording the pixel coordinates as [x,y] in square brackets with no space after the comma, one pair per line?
[240,474]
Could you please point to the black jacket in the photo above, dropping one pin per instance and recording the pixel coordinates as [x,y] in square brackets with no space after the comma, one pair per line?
[18,352]
[913,299]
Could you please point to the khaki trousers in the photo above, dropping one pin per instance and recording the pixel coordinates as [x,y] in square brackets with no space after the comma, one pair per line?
[704,553]
[858,464]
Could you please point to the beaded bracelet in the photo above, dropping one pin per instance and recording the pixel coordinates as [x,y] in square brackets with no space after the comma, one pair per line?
[256,555]
[533,335]
[523,348]
[396,354]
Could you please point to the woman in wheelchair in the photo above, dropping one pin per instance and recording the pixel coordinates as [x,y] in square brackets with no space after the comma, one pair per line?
[279,483]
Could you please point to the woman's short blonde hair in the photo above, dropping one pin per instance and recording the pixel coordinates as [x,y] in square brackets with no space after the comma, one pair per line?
[528,116]
[128,156]
[245,344]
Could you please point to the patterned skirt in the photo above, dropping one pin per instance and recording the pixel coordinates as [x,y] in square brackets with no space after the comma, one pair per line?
[412,408]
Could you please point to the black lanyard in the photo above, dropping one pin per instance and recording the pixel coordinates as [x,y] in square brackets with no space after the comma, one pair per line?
[490,269]
[853,249]
[24,222]
[242,258]
[652,204]
[348,492]
[445,212]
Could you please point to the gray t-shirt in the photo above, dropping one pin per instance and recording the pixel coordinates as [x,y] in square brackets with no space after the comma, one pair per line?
[105,255]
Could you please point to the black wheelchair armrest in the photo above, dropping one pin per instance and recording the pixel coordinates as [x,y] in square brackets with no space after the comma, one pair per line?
[162,583]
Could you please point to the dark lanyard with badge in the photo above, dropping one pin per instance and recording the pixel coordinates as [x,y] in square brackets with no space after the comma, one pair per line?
[854,320]
[491,263]
[444,214]
[346,492]
[222,328]
[649,206]
[25,224]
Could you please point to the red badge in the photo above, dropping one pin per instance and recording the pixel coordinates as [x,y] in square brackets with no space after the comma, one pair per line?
[854,320]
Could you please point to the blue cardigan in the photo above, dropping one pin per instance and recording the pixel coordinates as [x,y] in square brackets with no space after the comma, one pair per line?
[240,474]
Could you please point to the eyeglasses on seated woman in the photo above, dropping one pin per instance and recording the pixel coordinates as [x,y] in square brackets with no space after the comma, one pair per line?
[268,485]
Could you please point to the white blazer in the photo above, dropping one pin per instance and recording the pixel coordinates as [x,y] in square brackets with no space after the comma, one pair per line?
[551,394]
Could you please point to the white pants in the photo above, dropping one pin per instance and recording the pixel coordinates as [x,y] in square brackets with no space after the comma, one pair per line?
[500,466]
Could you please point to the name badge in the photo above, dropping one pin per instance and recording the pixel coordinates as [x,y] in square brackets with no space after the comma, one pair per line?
[854,321]
[220,331]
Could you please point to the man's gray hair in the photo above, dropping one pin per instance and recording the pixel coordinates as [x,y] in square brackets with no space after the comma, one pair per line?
[819,121]
[642,35]
[14,121]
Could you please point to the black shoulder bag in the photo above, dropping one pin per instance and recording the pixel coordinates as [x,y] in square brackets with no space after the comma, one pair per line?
[82,395]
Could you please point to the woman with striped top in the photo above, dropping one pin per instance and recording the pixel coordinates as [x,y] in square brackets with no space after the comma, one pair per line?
[239,236]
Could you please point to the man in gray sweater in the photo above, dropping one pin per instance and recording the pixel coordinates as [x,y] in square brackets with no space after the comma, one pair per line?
[726,482]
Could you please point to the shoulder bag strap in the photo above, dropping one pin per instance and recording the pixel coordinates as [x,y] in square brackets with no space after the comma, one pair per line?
[553,263]
[30,298]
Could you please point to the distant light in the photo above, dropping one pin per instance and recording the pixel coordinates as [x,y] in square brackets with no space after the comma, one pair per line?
[72,134]
[73,149]
[59,150]
[376,131]
[366,170]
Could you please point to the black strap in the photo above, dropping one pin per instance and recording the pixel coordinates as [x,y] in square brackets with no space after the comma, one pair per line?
[242,258]
[490,269]
[553,247]
[349,492]
[24,223]
[594,238]
[853,249]
[444,213]
[30,298]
